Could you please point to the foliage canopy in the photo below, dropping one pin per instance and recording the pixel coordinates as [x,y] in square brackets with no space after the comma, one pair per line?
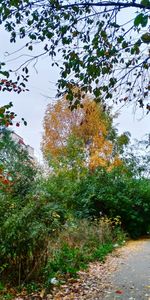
[103,44]
[84,136]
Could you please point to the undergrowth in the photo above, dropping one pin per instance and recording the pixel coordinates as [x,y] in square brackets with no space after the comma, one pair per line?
[80,243]
[77,243]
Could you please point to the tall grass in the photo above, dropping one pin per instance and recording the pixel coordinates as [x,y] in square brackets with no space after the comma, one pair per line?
[78,243]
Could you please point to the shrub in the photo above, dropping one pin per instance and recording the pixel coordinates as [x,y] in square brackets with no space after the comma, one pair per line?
[115,194]
[66,260]
[27,216]
[25,228]
[80,242]
[101,252]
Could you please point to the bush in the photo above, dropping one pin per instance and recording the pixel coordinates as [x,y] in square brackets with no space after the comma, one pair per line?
[27,216]
[115,194]
[101,252]
[79,243]
[25,228]
[66,260]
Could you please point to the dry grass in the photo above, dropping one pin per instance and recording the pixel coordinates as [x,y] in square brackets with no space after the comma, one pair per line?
[83,232]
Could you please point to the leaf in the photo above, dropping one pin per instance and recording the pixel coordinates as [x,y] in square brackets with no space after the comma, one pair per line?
[141,19]
[14,3]
[5,73]
[119,292]
[146,38]
[42,293]
[25,123]
[146,3]
[124,45]
[2,110]
[30,47]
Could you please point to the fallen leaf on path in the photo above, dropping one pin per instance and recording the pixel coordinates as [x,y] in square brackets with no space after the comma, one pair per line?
[119,292]
[42,293]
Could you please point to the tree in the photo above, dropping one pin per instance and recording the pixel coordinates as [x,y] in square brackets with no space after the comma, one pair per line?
[137,158]
[17,170]
[102,52]
[107,193]
[28,216]
[6,116]
[83,134]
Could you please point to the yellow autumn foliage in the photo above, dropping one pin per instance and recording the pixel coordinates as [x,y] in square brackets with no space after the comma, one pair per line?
[89,123]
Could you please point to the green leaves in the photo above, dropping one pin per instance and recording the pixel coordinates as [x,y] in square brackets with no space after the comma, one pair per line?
[88,46]
[6,116]
[5,73]
[141,19]
[146,38]
[14,3]
[146,3]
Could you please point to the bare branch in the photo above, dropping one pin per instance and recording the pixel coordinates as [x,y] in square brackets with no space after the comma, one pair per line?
[117,4]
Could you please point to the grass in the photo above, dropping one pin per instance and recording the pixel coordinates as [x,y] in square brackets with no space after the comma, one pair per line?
[79,243]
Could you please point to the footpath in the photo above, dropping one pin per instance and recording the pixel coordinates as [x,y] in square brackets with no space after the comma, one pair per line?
[131,279]
[125,275]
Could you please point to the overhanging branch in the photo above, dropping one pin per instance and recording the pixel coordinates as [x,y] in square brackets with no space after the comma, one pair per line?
[118,4]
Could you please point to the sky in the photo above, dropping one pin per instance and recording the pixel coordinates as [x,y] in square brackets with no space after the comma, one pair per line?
[42,90]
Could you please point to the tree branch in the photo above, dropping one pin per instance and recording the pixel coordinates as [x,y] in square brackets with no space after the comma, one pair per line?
[107,4]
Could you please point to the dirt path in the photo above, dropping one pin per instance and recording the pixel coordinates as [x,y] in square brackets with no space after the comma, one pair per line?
[125,275]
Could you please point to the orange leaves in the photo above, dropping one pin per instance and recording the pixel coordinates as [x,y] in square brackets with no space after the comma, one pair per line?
[101,153]
[5,183]
[57,124]
[89,123]
[92,122]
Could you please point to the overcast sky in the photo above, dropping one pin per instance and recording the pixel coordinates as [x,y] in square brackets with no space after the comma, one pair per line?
[42,89]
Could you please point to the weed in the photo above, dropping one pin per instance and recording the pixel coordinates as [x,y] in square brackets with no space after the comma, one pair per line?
[79,243]
[101,252]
